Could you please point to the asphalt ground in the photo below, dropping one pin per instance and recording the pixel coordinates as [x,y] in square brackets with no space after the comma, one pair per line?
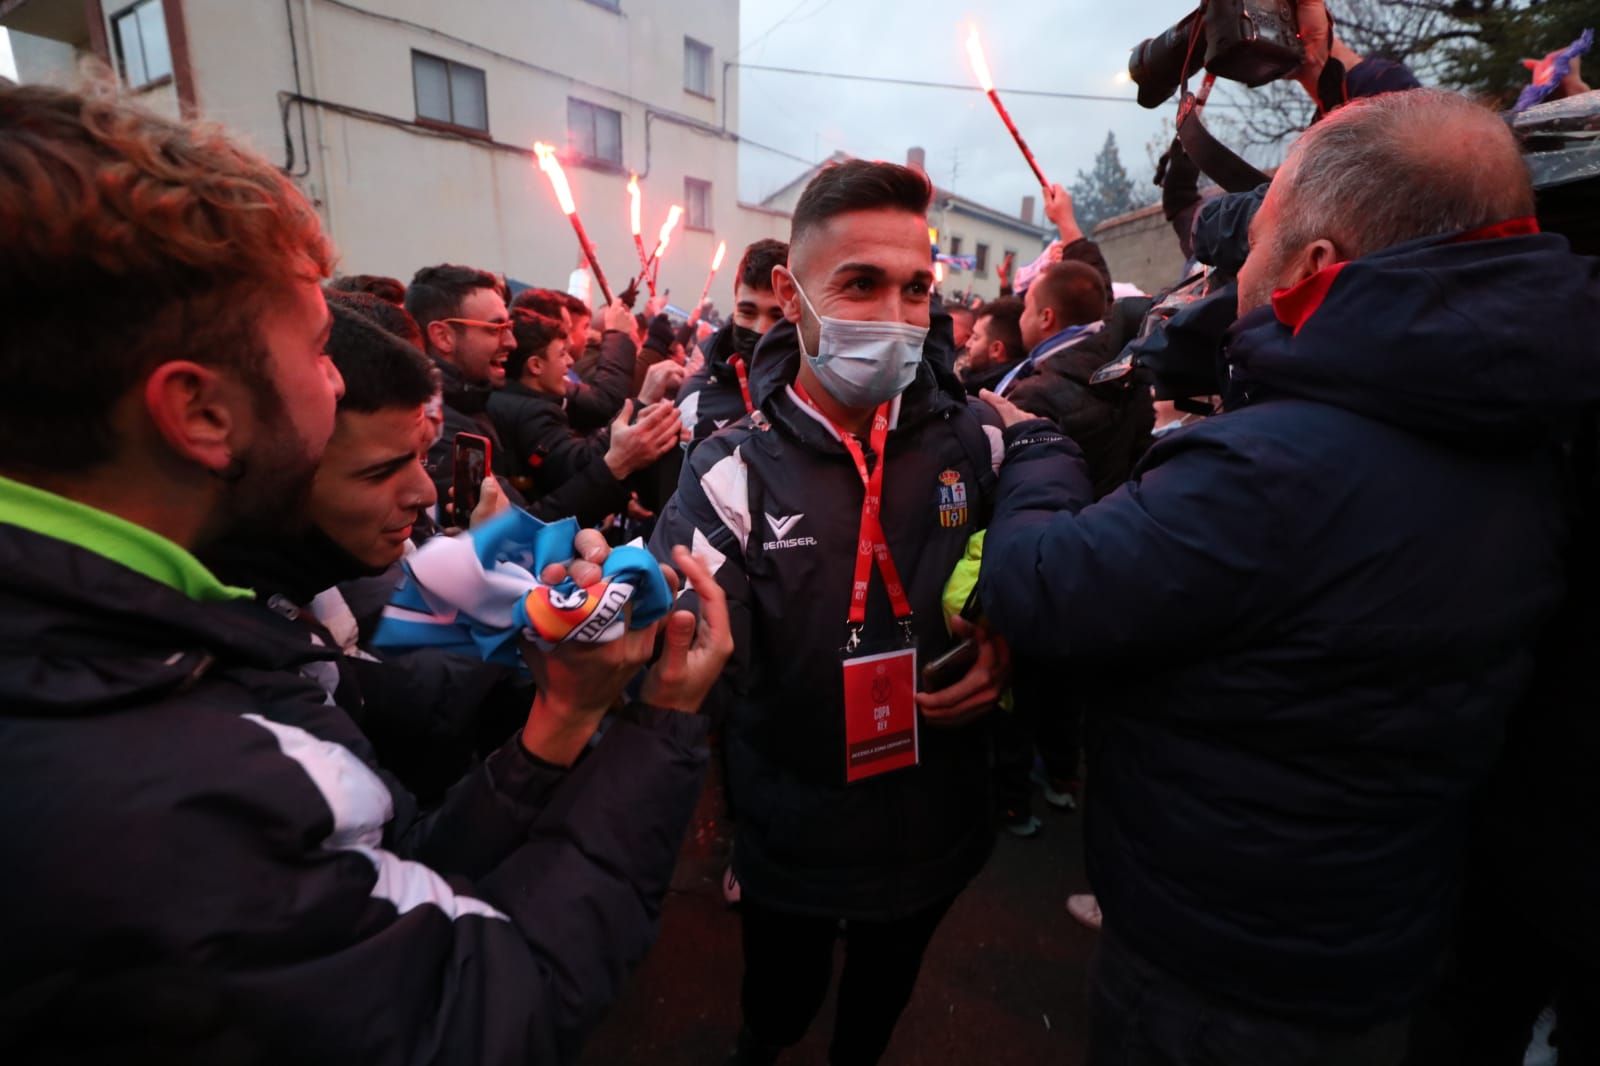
[1003,981]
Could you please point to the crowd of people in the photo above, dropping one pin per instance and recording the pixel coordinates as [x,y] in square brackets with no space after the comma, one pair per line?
[1283,576]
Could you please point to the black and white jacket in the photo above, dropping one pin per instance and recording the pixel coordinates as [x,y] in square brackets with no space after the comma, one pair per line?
[204,864]
[775,501]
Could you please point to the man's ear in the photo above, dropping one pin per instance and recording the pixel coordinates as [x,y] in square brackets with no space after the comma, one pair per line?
[197,411]
[1314,258]
[787,292]
[1047,322]
[441,338]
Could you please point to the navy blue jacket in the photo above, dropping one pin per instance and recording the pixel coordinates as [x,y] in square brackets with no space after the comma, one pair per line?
[1308,618]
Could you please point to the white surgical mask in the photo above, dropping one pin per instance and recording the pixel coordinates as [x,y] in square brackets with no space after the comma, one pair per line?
[863,364]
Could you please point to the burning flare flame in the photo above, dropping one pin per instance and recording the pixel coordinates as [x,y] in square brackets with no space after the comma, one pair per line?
[673,214]
[558,177]
[980,65]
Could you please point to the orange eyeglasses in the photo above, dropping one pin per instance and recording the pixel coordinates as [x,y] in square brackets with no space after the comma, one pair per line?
[497,327]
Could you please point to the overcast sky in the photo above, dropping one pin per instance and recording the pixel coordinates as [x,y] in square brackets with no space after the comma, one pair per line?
[1062,46]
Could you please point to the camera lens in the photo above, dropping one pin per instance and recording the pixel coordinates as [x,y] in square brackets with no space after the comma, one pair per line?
[1157,65]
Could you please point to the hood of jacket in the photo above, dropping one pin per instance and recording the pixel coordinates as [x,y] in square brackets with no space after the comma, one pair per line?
[80,634]
[718,349]
[1481,340]
[296,566]
[1222,229]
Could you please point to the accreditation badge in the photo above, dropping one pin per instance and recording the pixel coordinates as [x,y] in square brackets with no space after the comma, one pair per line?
[880,713]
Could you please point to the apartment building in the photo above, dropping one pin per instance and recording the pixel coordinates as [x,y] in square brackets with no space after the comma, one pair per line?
[409,123]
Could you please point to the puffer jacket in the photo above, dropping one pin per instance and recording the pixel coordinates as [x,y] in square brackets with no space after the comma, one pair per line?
[1308,618]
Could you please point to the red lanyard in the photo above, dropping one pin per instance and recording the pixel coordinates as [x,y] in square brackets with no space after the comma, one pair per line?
[744,381]
[872,542]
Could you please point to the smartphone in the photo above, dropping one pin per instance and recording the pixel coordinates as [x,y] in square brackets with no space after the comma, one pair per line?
[953,665]
[950,667]
[473,455]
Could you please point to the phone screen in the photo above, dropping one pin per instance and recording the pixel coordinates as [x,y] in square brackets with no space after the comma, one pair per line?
[471,467]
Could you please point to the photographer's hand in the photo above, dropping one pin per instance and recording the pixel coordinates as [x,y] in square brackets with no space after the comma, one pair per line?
[1321,44]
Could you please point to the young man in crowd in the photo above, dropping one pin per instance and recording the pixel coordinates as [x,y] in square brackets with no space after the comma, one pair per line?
[583,342]
[994,346]
[203,862]
[389,290]
[836,514]
[1064,329]
[392,317]
[588,470]
[467,330]
[1301,691]
[595,397]
[426,712]
[719,394]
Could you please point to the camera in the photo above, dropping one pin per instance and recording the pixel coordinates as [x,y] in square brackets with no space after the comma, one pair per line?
[1248,41]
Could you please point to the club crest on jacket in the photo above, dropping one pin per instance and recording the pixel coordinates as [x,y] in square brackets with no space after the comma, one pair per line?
[952,500]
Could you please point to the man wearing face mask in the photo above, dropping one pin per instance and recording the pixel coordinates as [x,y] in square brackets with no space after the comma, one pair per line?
[835,514]
[719,394]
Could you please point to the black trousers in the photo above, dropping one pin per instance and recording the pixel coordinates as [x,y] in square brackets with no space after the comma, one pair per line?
[1139,1015]
[1502,972]
[788,964]
[1043,718]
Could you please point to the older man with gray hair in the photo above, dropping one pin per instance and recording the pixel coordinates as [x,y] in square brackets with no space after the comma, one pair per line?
[1309,616]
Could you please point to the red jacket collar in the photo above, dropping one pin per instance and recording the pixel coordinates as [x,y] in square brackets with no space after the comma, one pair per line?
[1295,305]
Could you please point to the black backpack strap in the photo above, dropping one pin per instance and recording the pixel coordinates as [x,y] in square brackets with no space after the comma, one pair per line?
[975,442]
[1215,159]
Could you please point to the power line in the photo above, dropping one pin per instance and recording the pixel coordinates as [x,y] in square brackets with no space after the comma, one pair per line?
[793,11]
[964,87]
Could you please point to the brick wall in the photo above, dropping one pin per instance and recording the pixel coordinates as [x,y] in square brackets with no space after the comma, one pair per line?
[1141,248]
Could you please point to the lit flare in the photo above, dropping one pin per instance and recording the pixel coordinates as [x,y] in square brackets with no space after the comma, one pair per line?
[716,264]
[980,68]
[558,177]
[558,181]
[980,65]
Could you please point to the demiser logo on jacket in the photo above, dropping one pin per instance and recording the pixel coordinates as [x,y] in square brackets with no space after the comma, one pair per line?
[782,526]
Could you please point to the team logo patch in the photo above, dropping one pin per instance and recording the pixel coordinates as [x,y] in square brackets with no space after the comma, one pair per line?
[953,512]
[583,615]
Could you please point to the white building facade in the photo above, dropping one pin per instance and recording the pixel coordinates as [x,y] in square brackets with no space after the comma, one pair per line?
[409,123]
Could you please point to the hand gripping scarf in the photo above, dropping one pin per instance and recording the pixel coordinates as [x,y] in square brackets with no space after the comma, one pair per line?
[474,594]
